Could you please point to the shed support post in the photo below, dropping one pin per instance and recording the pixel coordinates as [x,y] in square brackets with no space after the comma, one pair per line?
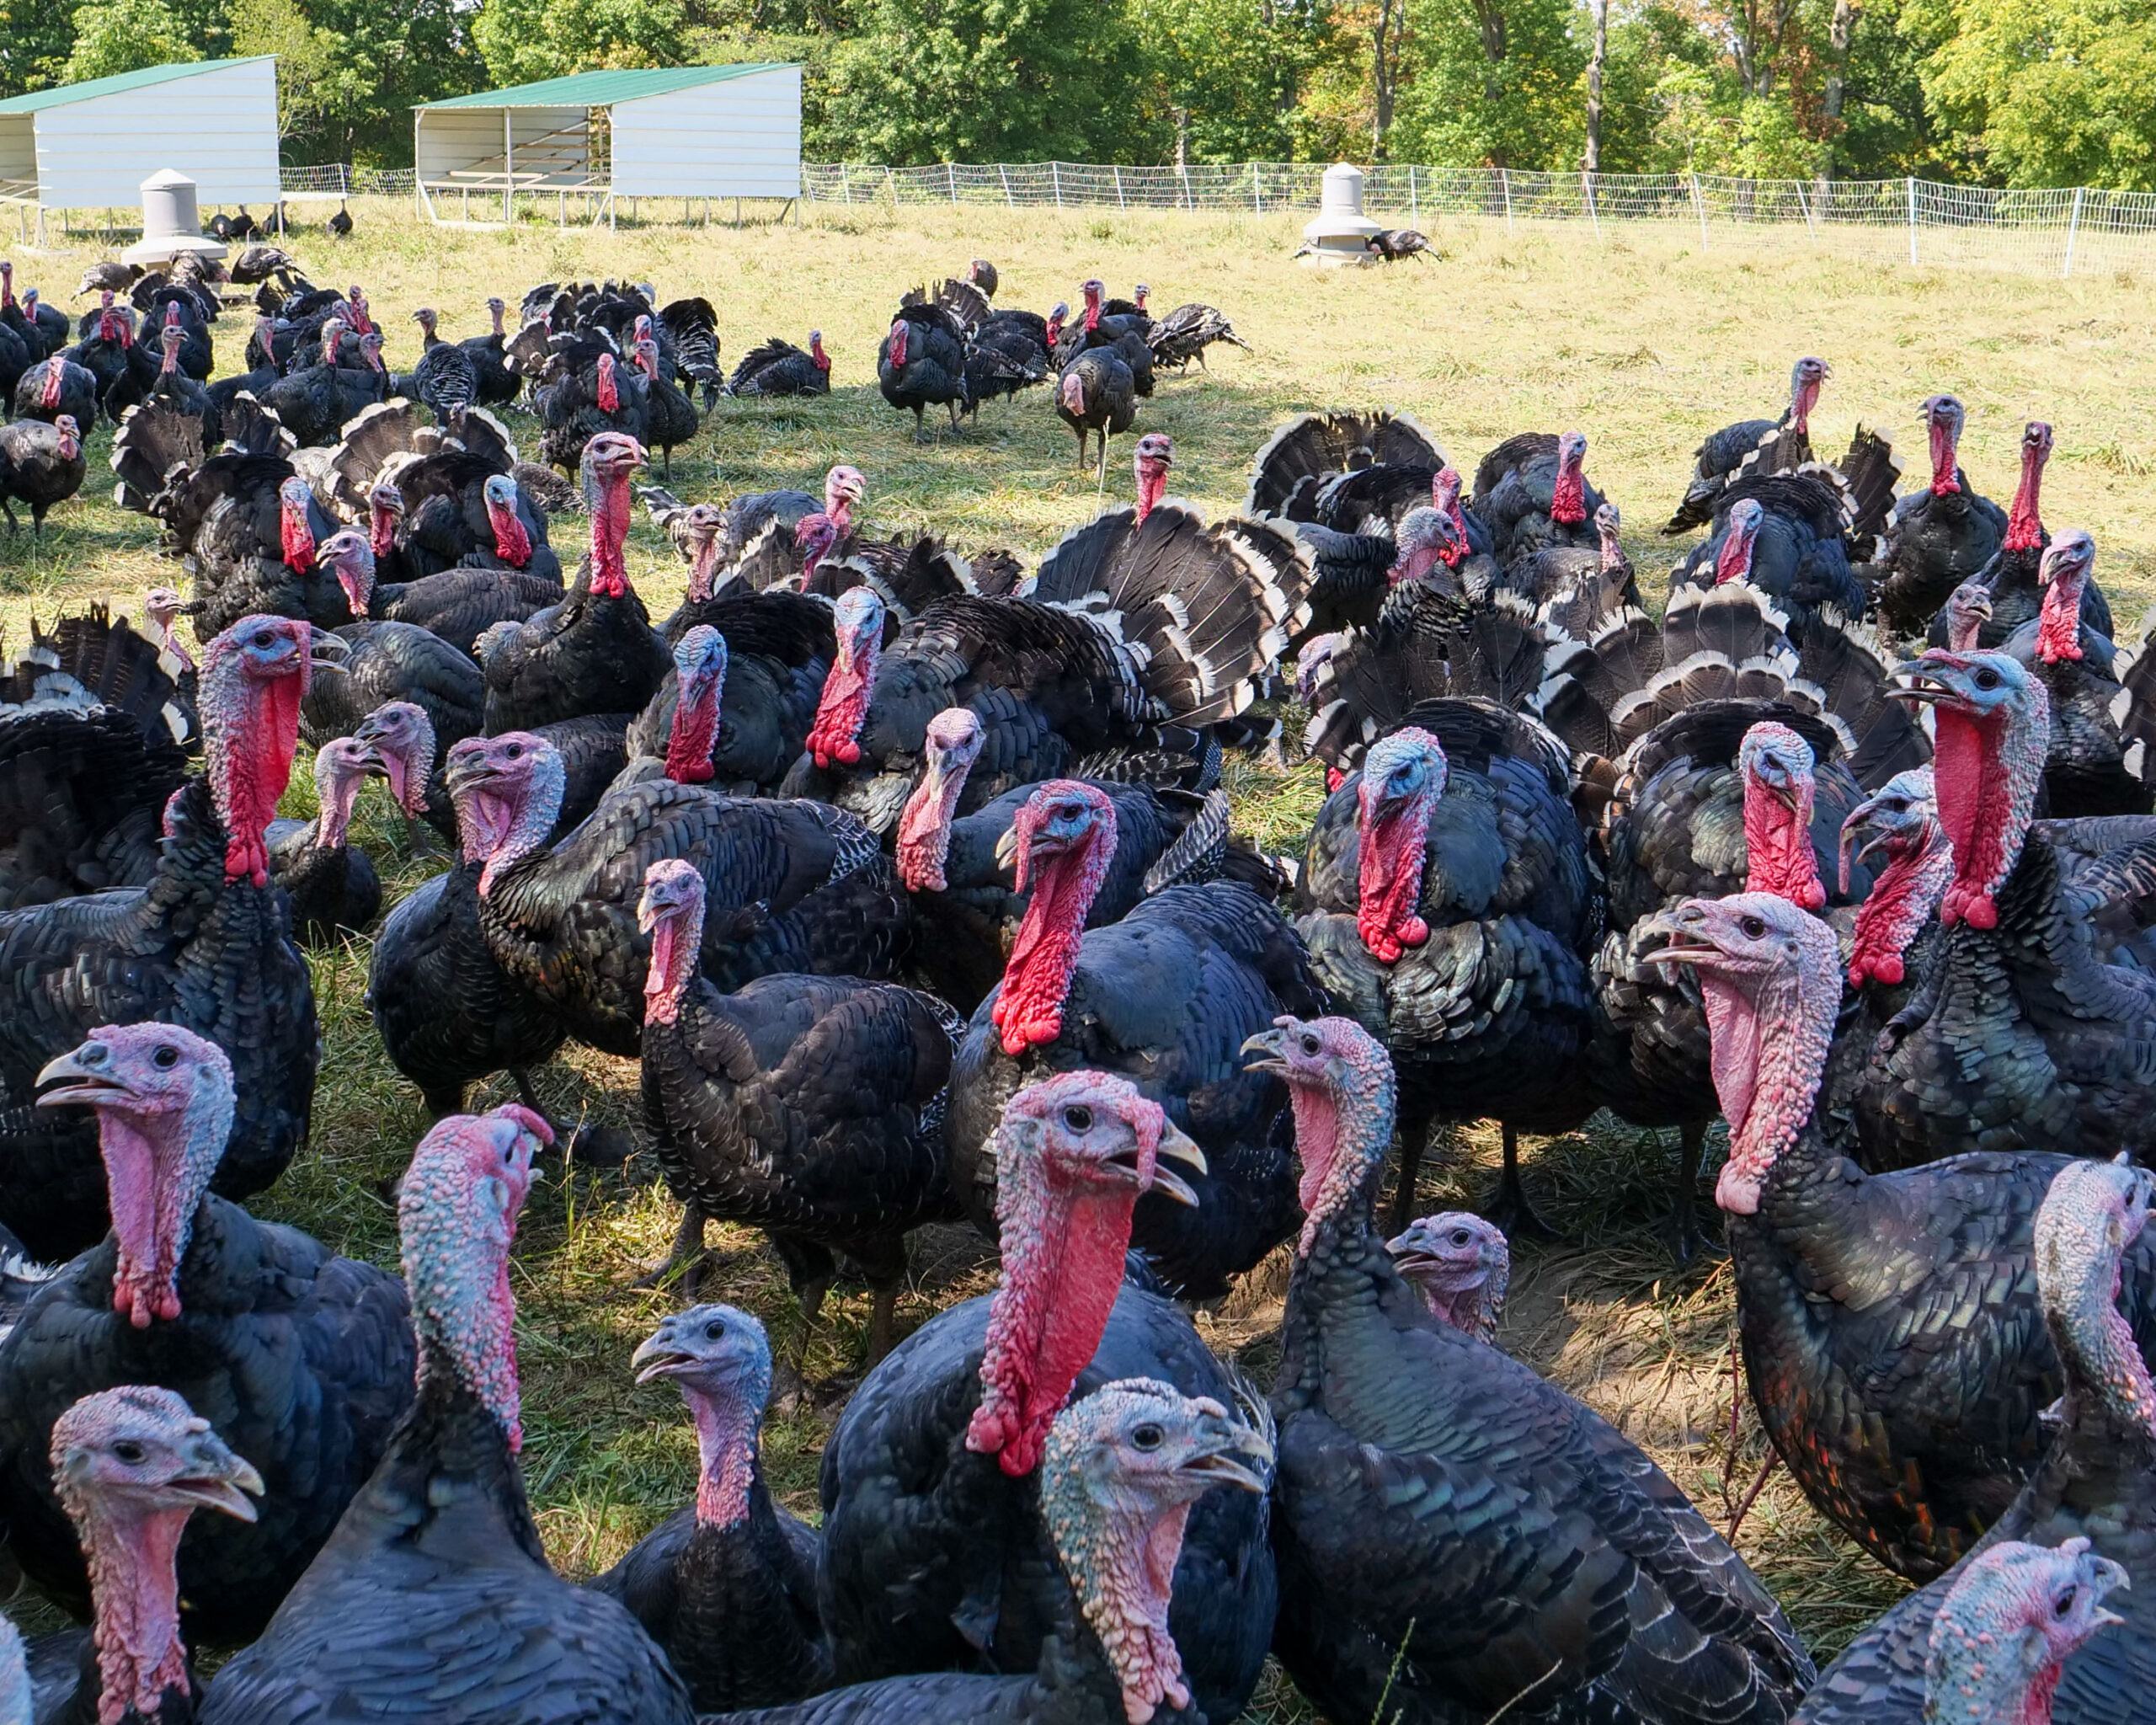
[1912,217]
[509,161]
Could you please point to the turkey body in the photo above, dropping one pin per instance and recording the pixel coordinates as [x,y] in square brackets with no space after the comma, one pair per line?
[333,889]
[39,466]
[1802,557]
[395,661]
[592,653]
[1935,541]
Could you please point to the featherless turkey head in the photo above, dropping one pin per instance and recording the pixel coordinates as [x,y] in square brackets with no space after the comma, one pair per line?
[1776,767]
[129,1465]
[1119,1474]
[720,1359]
[1317,652]
[295,529]
[456,1213]
[171,338]
[254,676]
[1968,609]
[68,435]
[1991,726]
[18,1702]
[704,527]
[1071,392]
[672,911]
[1090,292]
[858,624]
[700,662]
[508,791]
[1341,1086]
[1901,823]
[2007,1625]
[351,558]
[645,351]
[1460,1264]
[604,388]
[1805,379]
[341,767]
[1157,454]
[8,282]
[952,745]
[814,536]
[2064,573]
[403,738]
[608,462]
[1073,1155]
[894,349]
[1770,976]
[1943,419]
[164,607]
[844,489]
[1425,539]
[493,637]
[1733,562]
[356,302]
[371,351]
[1065,838]
[1607,525]
[2025,522]
[1568,496]
[512,541]
[1403,776]
[2089,1220]
[1058,314]
[817,357]
[332,337]
[163,1100]
[426,318]
[496,310]
[385,510]
[1445,498]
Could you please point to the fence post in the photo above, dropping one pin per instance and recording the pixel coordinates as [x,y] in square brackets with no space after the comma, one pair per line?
[1913,219]
[952,168]
[1586,185]
[1187,203]
[845,187]
[1055,176]
[1804,204]
[1414,199]
[2073,229]
[1004,175]
[1117,171]
[1256,191]
[1505,186]
[1699,208]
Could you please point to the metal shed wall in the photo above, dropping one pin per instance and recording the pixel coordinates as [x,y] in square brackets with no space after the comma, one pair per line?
[219,128]
[18,153]
[448,140]
[737,138]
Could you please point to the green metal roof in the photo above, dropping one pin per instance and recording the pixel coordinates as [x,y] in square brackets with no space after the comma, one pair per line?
[600,89]
[118,83]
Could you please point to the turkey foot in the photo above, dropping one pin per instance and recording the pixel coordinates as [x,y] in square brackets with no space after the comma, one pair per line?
[686,1256]
[790,1377]
[1512,1212]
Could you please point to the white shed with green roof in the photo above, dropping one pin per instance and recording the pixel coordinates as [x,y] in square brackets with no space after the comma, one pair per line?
[90,145]
[684,132]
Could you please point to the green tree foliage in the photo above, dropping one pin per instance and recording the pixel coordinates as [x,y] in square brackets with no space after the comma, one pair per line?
[126,35]
[523,41]
[1237,68]
[35,37]
[1496,82]
[348,71]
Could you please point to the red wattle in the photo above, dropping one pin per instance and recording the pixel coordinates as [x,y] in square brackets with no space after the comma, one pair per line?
[512,544]
[1943,461]
[51,395]
[1389,881]
[1970,790]
[1568,497]
[2024,526]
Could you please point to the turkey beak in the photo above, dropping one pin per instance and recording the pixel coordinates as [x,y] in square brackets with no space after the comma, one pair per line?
[1231,1464]
[1176,1146]
[1267,1044]
[226,1488]
[92,1084]
[656,1357]
[1683,949]
[328,652]
[1006,849]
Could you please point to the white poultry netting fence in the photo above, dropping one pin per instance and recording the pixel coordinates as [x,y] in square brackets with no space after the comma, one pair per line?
[2056,232]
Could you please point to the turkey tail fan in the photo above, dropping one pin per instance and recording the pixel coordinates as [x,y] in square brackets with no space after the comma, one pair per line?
[2134,708]
[1595,694]
[248,428]
[774,349]
[1172,758]
[1714,731]
[1735,620]
[372,441]
[768,559]
[1709,678]
[1818,496]
[1872,472]
[1372,499]
[1475,734]
[155,441]
[1498,652]
[1521,450]
[908,582]
[1784,450]
[1364,688]
[1211,606]
[526,352]
[90,659]
[1247,733]
[997,573]
[1286,473]
[447,382]
[1848,670]
[964,301]
[681,317]
[483,435]
[1199,849]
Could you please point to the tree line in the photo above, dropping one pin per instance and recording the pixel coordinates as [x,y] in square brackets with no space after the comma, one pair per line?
[1996,91]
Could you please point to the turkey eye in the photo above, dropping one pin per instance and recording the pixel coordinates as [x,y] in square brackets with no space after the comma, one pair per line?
[263,639]
[1753,926]
[1310,1044]
[127,1449]
[1146,1437]
[1986,679]
[166,1057]
[714,1330]
[1078,1119]
[2064,1607]
[1460,1236]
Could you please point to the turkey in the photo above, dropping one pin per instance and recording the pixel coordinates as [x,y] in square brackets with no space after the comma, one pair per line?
[1121,326]
[315,401]
[2020,1037]
[107,351]
[596,651]
[756,690]
[2084,766]
[934,1557]
[389,661]
[204,945]
[1937,537]
[1392,244]
[445,380]
[330,883]
[811,1107]
[433,1598]
[41,465]
[671,417]
[960,868]
[793,886]
[1303,463]
[727,1586]
[1734,447]
[594,397]
[1890,1325]
[780,368]
[494,383]
[1122,1475]
[93,735]
[131,1465]
[1790,535]
[246,527]
[1461,1265]
[2011,582]
[1165,996]
[1096,396]
[2093,1497]
[56,386]
[304,1358]
[175,387]
[1424,1473]
[1531,493]
[458,606]
[1178,337]
[1575,591]
[692,329]
[1448,903]
[922,363]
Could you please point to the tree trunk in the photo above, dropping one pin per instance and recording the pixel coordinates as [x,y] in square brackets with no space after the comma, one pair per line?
[1490,19]
[1838,37]
[1600,11]
[1384,69]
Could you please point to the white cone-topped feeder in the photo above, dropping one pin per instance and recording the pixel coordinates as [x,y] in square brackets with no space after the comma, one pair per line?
[172,223]
[1336,236]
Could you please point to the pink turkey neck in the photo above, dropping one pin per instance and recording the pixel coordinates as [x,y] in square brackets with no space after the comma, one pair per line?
[2104,1362]
[676,947]
[1802,399]
[381,528]
[2059,626]
[2024,526]
[1900,902]
[1389,876]
[339,794]
[609,531]
[1028,1010]
[297,537]
[1734,562]
[610,398]
[702,567]
[844,708]
[1985,773]
[1568,496]
[512,544]
[157,1168]
[250,733]
[1341,1139]
[1152,484]
[132,1556]
[53,378]
[726,1422]
[1944,458]
[924,826]
[1062,1262]
[1778,846]
[1768,1051]
[693,734]
[1444,493]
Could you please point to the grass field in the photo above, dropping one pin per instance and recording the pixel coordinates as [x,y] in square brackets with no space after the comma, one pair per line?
[1645,342]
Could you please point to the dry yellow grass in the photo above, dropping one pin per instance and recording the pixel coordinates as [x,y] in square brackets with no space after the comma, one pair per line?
[1644,341]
